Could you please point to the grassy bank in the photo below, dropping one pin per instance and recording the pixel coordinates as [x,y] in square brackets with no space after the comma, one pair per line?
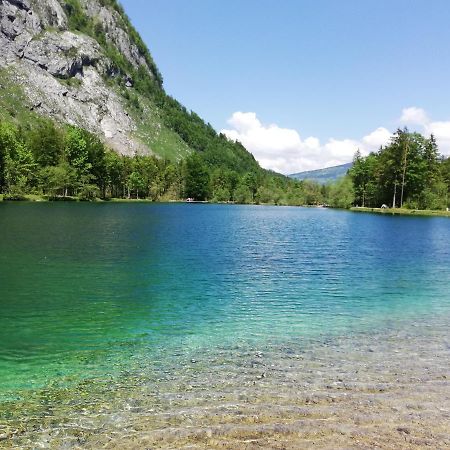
[403,212]
[36,198]
[45,198]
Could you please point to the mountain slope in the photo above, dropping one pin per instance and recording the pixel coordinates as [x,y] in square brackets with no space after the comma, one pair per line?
[323,175]
[62,72]
[81,62]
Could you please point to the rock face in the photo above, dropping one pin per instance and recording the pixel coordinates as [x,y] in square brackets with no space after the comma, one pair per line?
[109,20]
[63,73]
[64,55]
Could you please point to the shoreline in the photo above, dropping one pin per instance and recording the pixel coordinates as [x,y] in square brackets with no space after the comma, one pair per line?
[402,212]
[32,198]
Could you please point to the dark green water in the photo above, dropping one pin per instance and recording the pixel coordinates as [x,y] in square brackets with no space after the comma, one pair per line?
[89,290]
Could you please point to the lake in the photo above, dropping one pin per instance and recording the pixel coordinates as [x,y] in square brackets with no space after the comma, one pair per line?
[136,325]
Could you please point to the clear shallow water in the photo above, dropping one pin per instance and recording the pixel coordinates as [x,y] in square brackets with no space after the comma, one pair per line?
[146,296]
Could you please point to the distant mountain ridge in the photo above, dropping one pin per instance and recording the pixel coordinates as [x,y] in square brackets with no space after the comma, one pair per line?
[325,175]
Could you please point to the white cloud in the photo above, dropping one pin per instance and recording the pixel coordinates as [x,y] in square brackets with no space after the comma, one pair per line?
[414,116]
[312,142]
[243,122]
[377,138]
[283,149]
[440,129]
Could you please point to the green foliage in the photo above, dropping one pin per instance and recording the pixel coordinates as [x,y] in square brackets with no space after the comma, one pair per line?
[312,192]
[341,193]
[196,178]
[16,161]
[406,173]
[15,197]
[445,172]
[221,194]
[77,18]
[45,142]
[19,169]
[56,180]
[243,194]
[363,183]
[223,184]
[250,180]
[267,195]
[8,141]
[95,168]
[77,152]
[136,182]
[88,192]
[41,158]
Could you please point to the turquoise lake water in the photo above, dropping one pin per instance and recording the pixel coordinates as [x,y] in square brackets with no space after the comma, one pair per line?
[89,291]
[82,285]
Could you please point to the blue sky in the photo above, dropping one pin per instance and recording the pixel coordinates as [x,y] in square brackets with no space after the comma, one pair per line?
[303,82]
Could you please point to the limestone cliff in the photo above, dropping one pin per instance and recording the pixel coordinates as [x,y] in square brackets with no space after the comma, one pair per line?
[66,74]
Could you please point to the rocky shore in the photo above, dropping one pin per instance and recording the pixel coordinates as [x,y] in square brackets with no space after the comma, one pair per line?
[386,390]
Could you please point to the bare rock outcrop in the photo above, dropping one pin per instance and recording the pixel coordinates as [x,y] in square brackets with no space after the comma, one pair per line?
[64,55]
[51,13]
[18,25]
[63,73]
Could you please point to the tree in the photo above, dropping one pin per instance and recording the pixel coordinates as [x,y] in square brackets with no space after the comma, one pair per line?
[16,160]
[136,183]
[242,194]
[359,175]
[250,180]
[341,193]
[113,174]
[96,166]
[77,155]
[46,142]
[8,141]
[221,194]
[312,192]
[445,170]
[56,180]
[196,178]
[431,158]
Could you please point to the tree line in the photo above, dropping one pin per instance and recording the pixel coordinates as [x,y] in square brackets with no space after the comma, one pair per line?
[409,172]
[63,162]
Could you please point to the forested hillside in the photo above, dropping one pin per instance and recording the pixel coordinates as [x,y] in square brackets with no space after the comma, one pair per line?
[326,175]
